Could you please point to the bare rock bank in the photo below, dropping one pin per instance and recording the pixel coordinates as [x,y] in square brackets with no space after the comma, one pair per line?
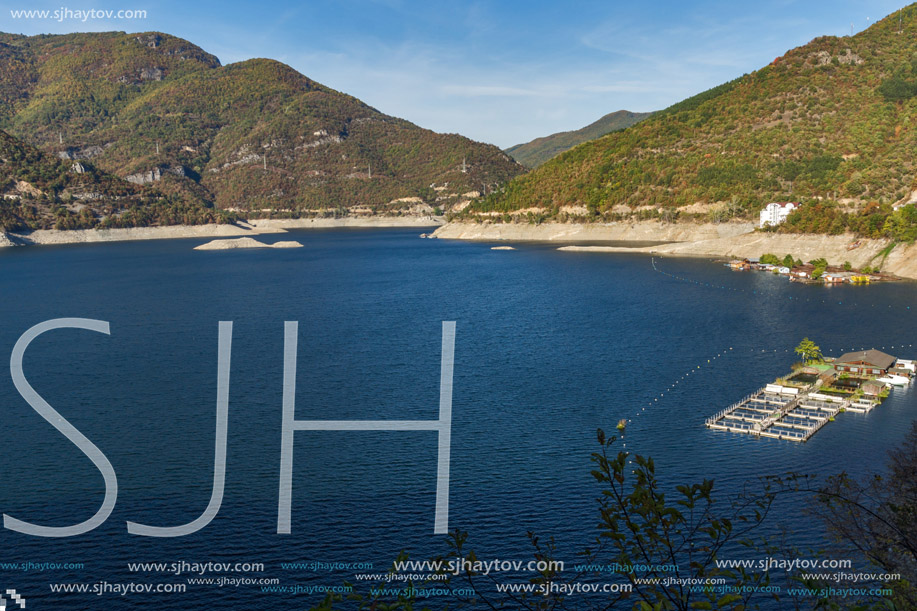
[78,236]
[255,227]
[732,239]
[638,231]
[232,244]
[274,225]
[836,249]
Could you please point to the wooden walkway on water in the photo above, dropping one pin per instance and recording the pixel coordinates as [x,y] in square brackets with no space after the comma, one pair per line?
[793,417]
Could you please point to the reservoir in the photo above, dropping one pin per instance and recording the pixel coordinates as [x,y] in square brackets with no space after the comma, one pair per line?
[549,346]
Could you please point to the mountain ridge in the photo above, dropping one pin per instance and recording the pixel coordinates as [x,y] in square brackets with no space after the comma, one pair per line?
[830,124]
[254,137]
[535,152]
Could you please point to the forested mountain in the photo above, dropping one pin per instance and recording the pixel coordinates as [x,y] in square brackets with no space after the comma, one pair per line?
[832,123]
[533,154]
[256,136]
[40,191]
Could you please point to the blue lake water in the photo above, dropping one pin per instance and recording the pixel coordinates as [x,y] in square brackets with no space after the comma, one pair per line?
[550,346]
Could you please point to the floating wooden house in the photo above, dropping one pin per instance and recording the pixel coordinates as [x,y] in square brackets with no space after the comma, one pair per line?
[870,362]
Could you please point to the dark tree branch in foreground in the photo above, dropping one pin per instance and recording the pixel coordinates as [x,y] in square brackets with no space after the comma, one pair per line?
[678,545]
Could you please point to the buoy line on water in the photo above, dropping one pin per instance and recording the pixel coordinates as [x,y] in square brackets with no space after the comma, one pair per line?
[655,400]
[731,350]
[671,387]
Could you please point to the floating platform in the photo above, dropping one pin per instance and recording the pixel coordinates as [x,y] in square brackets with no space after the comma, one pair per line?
[796,407]
[784,413]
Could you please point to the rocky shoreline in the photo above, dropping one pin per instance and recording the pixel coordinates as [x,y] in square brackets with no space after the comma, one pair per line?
[171,232]
[626,231]
[734,239]
[698,240]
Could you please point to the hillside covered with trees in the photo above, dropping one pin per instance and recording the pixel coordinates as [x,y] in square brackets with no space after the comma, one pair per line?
[39,191]
[533,154]
[255,137]
[831,124]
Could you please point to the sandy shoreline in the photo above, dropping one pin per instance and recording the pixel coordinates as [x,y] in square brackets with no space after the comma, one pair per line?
[256,227]
[697,240]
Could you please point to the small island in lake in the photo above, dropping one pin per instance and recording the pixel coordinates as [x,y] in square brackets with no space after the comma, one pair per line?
[245,243]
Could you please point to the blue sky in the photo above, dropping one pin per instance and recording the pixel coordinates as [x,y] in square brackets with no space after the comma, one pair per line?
[497,71]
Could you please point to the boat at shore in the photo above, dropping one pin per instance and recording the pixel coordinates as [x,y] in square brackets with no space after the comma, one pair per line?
[894,380]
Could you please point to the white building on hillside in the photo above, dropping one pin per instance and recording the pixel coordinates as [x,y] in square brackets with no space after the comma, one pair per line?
[774,214]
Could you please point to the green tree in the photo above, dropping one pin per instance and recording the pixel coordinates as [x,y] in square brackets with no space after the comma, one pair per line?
[898,88]
[808,351]
[640,525]
[820,266]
